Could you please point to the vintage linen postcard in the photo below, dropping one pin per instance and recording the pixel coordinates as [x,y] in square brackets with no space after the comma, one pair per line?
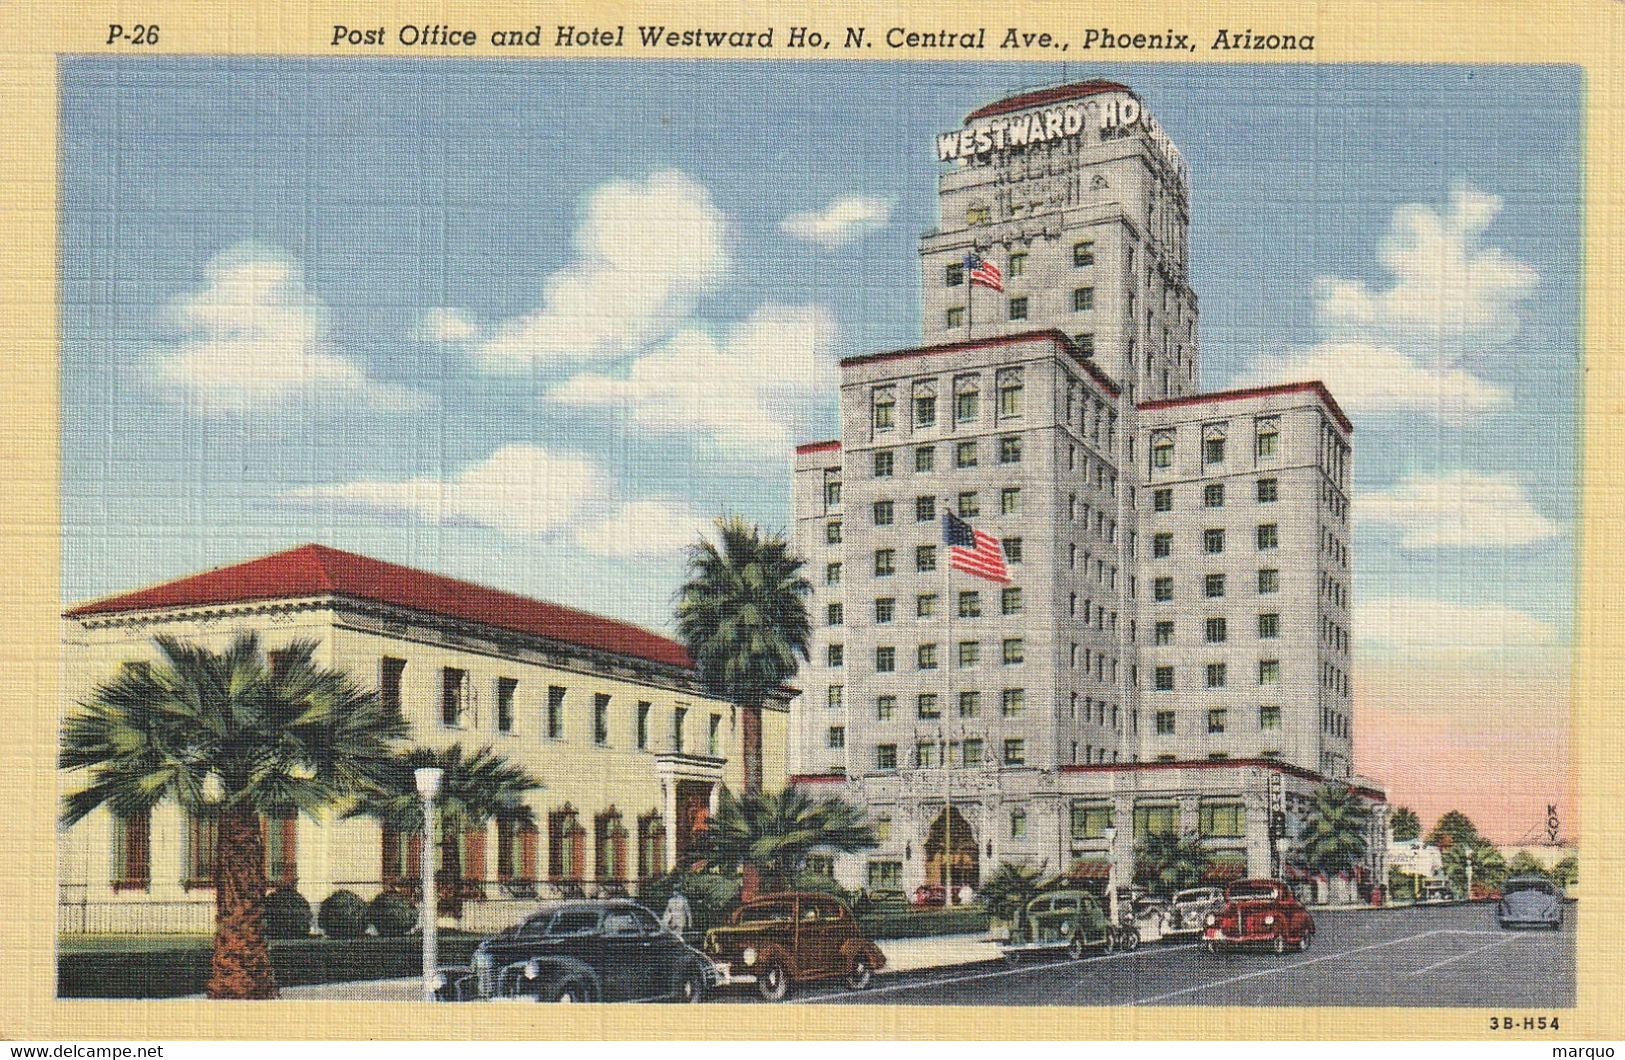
[1006,521]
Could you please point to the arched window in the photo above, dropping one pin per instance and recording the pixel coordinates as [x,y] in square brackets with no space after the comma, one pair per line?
[566,843]
[609,847]
[651,845]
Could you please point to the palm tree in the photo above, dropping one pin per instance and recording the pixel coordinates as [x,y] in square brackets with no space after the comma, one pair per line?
[1489,866]
[1404,825]
[1566,873]
[1454,827]
[743,617]
[1011,886]
[1336,834]
[774,833]
[235,734]
[474,789]
[1168,862]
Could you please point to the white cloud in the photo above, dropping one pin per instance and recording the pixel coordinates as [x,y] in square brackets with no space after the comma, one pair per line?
[1371,378]
[841,222]
[520,490]
[256,334]
[646,251]
[1457,509]
[446,325]
[648,527]
[740,391]
[1420,628]
[1447,289]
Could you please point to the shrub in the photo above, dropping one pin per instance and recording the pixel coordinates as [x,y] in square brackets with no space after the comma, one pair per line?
[711,897]
[343,915]
[287,914]
[390,914]
[819,883]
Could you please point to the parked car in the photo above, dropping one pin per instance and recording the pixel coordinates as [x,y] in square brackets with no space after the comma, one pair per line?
[1530,901]
[935,896]
[1435,891]
[1259,913]
[1189,909]
[1148,917]
[777,940]
[1071,921]
[581,951]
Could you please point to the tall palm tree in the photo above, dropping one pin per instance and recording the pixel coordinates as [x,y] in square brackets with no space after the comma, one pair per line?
[773,834]
[240,735]
[1168,862]
[742,614]
[1489,866]
[474,789]
[1404,825]
[1007,891]
[1336,834]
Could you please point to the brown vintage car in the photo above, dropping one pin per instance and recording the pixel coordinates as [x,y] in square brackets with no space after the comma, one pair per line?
[780,939]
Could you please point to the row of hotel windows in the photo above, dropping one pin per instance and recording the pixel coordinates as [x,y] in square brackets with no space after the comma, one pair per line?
[1334,589]
[1265,490]
[1213,585]
[928,705]
[1083,254]
[131,867]
[1334,723]
[1015,308]
[1266,442]
[1266,536]
[967,403]
[965,754]
[1216,630]
[459,708]
[925,561]
[970,606]
[1333,635]
[1218,718]
[1333,679]
[1013,653]
[1217,675]
[1332,546]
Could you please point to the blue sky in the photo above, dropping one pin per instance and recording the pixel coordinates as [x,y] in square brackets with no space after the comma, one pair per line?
[302,296]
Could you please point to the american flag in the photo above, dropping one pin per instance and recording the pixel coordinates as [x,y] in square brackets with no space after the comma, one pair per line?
[983,273]
[973,551]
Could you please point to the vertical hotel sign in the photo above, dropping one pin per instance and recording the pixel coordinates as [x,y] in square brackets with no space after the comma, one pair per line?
[1105,114]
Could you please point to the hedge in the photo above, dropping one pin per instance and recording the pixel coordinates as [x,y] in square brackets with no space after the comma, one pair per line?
[182,971]
[962,920]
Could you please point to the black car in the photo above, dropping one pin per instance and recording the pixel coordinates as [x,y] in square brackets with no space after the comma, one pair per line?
[582,951]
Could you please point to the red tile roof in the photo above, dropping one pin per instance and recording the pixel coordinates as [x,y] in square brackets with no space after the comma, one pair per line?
[1314,386]
[817,447]
[1044,97]
[315,570]
[1053,334]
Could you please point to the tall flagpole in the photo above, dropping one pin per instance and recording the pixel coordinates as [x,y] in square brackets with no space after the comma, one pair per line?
[947,680]
[970,299]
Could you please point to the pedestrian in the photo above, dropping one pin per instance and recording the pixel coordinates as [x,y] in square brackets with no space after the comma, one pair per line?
[679,916]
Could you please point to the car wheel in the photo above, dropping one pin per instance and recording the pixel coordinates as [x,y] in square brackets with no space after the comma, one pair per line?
[1011,957]
[860,974]
[1129,940]
[1280,944]
[1074,948]
[566,992]
[772,983]
[1303,942]
[1211,947]
[691,991]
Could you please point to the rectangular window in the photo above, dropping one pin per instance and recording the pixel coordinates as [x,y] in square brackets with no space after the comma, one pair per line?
[970,756]
[1012,550]
[600,719]
[885,562]
[1090,820]
[836,655]
[1162,450]
[1015,653]
[1010,450]
[1010,500]
[1213,585]
[1162,546]
[1269,718]
[1215,720]
[1215,675]
[925,509]
[885,463]
[967,406]
[970,604]
[927,705]
[644,707]
[1162,589]
[280,834]
[925,410]
[1268,537]
[679,717]
[555,712]
[832,574]
[1269,672]
[925,558]
[1269,626]
[713,736]
[885,609]
[886,876]
[1269,437]
[832,532]
[1162,500]
[1164,633]
[925,657]
[1224,820]
[1083,298]
[965,454]
[1018,263]
[885,660]
[1269,580]
[389,683]
[1215,631]
[885,410]
[953,275]
[836,614]
[1164,678]
[955,317]
[453,684]
[1010,387]
[1018,308]
[1165,723]
[202,840]
[1013,702]
[1213,495]
[1155,820]
[885,513]
[925,458]
[1010,600]
[832,494]
[836,739]
[970,704]
[1213,542]
[925,754]
[1083,253]
[1015,752]
[1018,824]
[1269,490]
[925,605]
[506,686]
[1213,451]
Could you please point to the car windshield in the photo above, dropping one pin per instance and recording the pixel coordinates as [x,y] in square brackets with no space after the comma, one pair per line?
[1517,886]
[1193,896]
[574,922]
[766,913]
[1253,892]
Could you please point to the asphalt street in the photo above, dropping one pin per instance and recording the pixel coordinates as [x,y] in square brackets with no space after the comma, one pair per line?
[1445,956]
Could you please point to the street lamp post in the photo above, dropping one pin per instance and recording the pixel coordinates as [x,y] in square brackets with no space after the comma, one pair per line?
[1467,858]
[428,782]
[1110,835]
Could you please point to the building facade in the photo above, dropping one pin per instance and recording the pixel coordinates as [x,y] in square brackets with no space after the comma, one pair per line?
[607,715]
[1171,652]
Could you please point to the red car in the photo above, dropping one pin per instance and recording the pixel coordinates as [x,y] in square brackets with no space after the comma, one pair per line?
[1259,913]
[929,896]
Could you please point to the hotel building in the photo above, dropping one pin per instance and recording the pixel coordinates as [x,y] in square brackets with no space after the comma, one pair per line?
[1172,651]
